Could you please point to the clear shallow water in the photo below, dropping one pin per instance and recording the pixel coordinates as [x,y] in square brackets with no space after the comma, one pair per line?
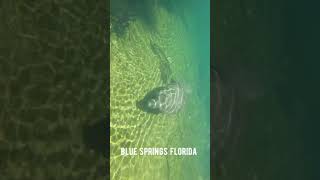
[181,30]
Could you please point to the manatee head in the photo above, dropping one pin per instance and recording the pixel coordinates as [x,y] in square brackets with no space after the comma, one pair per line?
[168,100]
[149,102]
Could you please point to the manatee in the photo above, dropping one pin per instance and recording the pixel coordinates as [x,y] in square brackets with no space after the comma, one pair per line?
[167,99]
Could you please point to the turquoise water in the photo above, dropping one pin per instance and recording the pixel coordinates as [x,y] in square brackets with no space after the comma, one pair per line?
[200,34]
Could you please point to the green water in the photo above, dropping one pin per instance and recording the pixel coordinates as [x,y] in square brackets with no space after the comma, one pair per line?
[176,28]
